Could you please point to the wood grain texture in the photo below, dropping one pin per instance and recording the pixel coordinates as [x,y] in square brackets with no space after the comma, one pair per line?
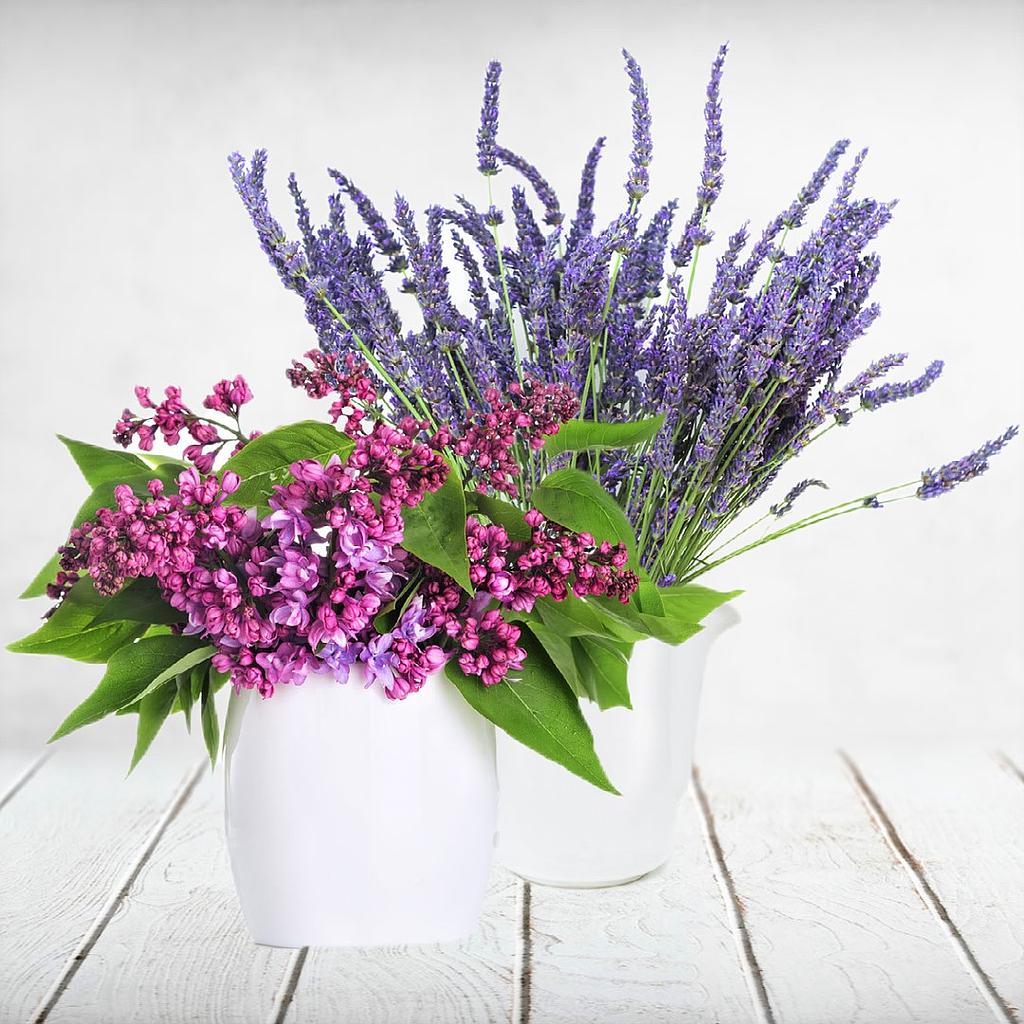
[178,949]
[68,838]
[460,983]
[961,816]
[659,949]
[837,927]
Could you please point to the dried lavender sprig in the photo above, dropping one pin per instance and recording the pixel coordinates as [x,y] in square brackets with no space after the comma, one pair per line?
[638,182]
[486,136]
[877,397]
[545,193]
[942,480]
[793,216]
[781,508]
[387,244]
[583,223]
[695,234]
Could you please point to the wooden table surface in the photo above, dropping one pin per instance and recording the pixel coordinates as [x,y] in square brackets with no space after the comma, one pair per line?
[868,885]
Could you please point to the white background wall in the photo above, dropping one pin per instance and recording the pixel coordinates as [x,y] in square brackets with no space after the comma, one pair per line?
[126,258]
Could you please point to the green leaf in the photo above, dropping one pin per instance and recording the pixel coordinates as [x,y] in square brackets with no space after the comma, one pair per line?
[589,435]
[197,677]
[139,601]
[667,628]
[211,725]
[42,579]
[102,497]
[264,461]
[603,666]
[129,672]
[648,598]
[503,513]
[577,617]
[183,684]
[71,633]
[539,710]
[576,500]
[435,531]
[103,465]
[559,650]
[692,603]
[188,661]
[153,711]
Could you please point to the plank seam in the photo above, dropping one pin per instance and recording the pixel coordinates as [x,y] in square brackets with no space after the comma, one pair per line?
[924,889]
[283,1002]
[19,783]
[523,966]
[741,934]
[1006,763]
[114,901]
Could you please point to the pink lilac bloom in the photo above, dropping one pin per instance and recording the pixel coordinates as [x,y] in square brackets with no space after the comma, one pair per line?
[170,417]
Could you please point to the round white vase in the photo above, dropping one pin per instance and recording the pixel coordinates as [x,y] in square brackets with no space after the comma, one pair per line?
[556,829]
[356,820]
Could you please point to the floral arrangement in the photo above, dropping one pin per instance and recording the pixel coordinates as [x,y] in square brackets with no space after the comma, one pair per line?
[517,489]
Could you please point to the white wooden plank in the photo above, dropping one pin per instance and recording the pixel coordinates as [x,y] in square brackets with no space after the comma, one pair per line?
[177,949]
[660,949]
[454,983]
[961,817]
[68,840]
[838,930]
[17,767]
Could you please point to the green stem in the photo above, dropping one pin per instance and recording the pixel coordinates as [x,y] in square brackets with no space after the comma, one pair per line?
[504,285]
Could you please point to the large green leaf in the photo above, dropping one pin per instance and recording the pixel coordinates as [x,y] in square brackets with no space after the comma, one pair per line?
[539,710]
[129,672]
[435,531]
[197,655]
[153,711]
[103,497]
[211,724]
[603,666]
[589,435]
[576,500]
[577,617]
[692,603]
[264,461]
[72,633]
[559,650]
[668,628]
[103,465]
[503,513]
[139,601]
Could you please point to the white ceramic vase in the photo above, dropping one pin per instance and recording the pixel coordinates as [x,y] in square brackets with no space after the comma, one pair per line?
[355,820]
[556,829]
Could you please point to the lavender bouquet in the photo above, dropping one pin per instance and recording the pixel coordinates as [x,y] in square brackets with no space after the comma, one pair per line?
[686,415]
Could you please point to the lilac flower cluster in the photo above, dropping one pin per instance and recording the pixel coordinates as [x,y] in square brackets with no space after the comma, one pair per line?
[744,382]
[171,416]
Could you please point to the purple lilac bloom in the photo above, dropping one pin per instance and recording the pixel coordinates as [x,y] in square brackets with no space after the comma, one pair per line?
[939,481]
[486,154]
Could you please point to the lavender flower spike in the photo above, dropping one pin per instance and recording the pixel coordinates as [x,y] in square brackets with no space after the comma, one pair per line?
[787,502]
[877,397]
[640,159]
[695,234]
[583,223]
[938,481]
[545,193]
[486,137]
[387,244]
